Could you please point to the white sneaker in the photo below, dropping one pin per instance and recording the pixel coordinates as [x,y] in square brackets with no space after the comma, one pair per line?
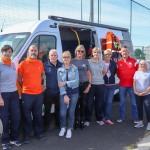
[62,132]
[148,127]
[139,125]
[69,134]
[120,120]
[86,123]
[100,122]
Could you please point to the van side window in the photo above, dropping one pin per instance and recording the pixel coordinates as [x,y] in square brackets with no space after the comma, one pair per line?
[44,44]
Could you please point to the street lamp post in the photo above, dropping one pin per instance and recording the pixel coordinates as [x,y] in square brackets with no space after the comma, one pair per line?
[38,9]
[81,9]
[130,18]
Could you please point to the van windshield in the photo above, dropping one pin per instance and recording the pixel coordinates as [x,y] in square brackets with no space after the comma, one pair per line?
[16,40]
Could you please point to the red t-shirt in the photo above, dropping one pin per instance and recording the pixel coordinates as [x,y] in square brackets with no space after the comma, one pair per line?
[126,70]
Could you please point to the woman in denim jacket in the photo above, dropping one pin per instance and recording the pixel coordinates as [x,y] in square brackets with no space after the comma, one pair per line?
[68,81]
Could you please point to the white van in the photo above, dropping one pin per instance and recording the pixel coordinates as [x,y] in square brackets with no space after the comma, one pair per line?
[59,33]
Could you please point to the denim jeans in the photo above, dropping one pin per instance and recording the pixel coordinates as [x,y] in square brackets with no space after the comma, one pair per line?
[10,115]
[143,100]
[71,110]
[95,95]
[109,95]
[32,103]
[123,94]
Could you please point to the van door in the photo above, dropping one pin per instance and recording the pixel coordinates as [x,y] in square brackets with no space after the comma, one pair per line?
[45,42]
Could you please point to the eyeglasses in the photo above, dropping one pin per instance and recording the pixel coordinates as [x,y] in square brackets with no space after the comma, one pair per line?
[96,52]
[107,54]
[66,57]
[80,51]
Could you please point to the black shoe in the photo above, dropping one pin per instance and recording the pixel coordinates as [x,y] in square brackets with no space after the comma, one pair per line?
[41,137]
[81,124]
[76,125]
[26,140]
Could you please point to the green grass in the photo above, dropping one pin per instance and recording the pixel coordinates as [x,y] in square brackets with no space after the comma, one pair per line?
[132,147]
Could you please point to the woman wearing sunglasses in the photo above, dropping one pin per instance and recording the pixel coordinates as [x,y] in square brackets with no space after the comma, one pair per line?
[84,84]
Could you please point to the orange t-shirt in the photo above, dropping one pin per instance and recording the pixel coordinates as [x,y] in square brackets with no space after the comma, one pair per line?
[31,72]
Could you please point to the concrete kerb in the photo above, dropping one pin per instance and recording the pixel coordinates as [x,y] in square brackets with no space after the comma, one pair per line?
[144,143]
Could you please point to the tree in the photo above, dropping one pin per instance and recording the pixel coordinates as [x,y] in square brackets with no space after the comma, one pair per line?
[139,54]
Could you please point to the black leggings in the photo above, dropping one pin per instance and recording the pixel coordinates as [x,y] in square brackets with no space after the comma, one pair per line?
[80,106]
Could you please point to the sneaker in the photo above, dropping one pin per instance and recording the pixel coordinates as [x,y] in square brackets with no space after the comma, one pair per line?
[120,120]
[86,123]
[139,124]
[100,122]
[6,146]
[17,143]
[41,137]
[62,132]
[109,122]
[69,134]
[148,127]
[136,121]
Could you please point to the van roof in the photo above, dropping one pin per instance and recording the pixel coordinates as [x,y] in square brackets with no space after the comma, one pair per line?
[63,19]
[21,27]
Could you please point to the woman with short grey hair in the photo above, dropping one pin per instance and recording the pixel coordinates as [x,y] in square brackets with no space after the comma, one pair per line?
[141,87]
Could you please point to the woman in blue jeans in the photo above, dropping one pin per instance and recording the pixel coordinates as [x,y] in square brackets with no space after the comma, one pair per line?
[9,100]
[68,82]
[109,79]
[141,86]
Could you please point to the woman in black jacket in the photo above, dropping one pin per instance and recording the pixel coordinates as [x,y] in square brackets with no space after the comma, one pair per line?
[109,79]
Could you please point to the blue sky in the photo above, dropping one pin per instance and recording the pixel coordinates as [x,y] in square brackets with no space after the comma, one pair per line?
[113,12]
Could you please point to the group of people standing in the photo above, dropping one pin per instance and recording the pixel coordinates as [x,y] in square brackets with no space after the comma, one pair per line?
[75,86]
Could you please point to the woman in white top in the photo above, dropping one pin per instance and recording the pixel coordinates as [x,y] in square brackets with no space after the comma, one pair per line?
[141,87]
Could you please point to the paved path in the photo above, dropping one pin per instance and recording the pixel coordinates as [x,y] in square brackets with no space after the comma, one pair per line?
[119,136]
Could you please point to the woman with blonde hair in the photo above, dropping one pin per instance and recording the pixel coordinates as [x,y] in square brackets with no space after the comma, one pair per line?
[68,82]
[141,87]
[109,79]
[84,84]
[96,93]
